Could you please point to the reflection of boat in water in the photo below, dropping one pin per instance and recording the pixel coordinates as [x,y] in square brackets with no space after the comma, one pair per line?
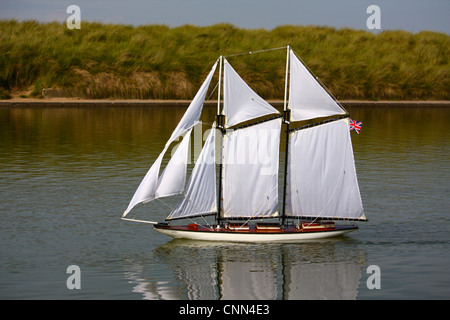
[218,271]
[320,184]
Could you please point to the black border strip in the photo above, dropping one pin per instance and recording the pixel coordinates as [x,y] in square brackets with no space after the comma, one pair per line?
[255,123]
[319,123]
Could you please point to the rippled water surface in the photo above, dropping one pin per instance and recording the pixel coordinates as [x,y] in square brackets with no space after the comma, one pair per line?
[67,174]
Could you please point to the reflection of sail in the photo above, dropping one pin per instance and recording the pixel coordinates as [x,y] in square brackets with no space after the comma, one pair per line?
[150,289]
[194,270]
[199,283]
[319,270]
[248,278]
[315,281]
[244,280]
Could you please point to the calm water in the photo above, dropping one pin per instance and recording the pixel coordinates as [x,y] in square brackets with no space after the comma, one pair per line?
[67,174]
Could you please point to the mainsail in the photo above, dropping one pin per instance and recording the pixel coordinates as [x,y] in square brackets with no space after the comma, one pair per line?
[322,179]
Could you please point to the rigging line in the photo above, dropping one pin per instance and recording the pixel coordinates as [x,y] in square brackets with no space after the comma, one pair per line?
[214,90]
[253,217]
[245,223]
[312,221]
[171,208]
[207,223]
[200,226]
[252,52]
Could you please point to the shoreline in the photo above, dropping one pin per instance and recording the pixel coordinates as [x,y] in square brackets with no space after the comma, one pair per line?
[74,102]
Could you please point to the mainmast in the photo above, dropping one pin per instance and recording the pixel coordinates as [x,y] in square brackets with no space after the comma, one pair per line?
[221,127]
[286,120]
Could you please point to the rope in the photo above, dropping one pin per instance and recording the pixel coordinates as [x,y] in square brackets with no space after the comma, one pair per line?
[171,208]
[253,52]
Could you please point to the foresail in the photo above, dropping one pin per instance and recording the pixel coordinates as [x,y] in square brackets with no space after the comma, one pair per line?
[307,98]
[241,103]
[321,181]
[171,181]
[147,190]
[173,178]
[200,195]
[250,170]
[193,112]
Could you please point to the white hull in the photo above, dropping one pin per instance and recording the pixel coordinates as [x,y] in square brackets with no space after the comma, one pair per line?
[252,237]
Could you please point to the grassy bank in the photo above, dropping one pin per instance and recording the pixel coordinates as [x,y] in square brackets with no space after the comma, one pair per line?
[158,62]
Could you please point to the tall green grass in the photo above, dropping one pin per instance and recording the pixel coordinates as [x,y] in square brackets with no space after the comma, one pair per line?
[158,62]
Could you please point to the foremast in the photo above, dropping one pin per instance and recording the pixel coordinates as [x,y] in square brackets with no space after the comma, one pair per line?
[246,190]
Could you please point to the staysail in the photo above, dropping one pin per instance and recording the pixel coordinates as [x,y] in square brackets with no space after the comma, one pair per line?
[147,190]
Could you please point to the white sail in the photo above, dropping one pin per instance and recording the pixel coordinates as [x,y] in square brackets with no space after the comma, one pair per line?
[321,179]
[173,178]
[337,280]
[250,170]
[193,112]
[241,103]
[147,189]
[169,183]
[307,98]
[200,195]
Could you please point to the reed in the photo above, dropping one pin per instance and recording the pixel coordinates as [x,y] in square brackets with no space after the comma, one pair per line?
[158,62]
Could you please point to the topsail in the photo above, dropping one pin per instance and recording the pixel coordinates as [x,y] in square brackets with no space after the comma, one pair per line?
[307,98]
[241,103]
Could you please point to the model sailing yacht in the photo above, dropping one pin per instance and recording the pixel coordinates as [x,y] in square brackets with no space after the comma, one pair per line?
[320,185]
